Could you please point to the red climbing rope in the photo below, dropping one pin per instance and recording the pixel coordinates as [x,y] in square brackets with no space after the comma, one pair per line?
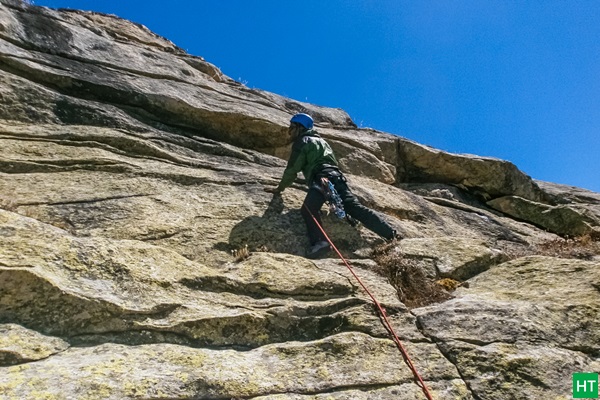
[384,318]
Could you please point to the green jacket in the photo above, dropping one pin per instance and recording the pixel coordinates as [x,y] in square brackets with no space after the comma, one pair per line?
[309,153]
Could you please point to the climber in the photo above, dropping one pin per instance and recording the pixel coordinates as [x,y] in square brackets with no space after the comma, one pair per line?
[312,155]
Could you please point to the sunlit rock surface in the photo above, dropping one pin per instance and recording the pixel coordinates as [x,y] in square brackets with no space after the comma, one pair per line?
[129,173]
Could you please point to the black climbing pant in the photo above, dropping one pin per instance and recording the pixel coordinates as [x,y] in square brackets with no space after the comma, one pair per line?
[314,201]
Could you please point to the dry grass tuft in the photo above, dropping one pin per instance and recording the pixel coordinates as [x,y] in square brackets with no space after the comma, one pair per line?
[413,286]
[241,254]
[584,247]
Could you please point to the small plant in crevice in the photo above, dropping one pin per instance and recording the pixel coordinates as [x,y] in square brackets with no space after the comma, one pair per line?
[584,247]
[241,254]
[414,287]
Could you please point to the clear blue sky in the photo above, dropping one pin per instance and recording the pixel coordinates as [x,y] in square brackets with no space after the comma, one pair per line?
[517,80]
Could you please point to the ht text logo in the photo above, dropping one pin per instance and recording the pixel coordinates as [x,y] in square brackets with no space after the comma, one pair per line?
[585,385]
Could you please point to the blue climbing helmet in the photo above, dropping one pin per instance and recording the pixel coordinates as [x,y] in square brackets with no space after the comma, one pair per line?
[303,119]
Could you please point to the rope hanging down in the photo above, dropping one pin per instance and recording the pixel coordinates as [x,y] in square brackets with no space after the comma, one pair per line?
[382,313]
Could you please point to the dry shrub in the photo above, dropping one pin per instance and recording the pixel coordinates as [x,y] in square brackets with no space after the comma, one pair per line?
[583,247]
[414,287]
[241,254]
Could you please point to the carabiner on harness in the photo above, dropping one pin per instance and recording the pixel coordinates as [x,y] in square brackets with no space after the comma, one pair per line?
[332,198]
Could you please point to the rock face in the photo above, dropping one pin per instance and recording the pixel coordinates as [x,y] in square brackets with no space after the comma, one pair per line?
[129,173]
[531,322]
[569,217]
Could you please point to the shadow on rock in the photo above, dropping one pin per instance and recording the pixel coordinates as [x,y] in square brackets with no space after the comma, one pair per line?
[274,231]
[285,232]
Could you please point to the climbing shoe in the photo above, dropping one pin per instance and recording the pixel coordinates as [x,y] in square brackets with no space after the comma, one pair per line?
[318,250]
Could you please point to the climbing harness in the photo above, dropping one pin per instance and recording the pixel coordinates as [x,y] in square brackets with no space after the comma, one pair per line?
[383,315]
